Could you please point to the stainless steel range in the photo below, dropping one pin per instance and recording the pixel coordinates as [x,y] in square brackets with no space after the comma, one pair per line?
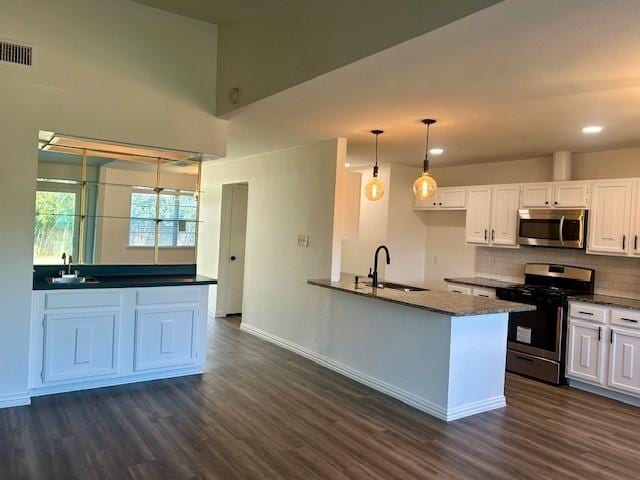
[536,340]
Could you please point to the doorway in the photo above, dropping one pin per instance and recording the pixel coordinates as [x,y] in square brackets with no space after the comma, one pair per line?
[233,233]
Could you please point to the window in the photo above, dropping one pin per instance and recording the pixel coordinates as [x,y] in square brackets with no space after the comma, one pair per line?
[177,215]
[56,225]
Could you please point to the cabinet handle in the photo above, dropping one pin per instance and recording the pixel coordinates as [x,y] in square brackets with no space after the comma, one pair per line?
[555,203]
[624,241]
[635,242]
[599,333]
[485,296]
[629,320]
[528,360]
[485,234]
[585,313]
[611,336]
[546,203]
[493,234]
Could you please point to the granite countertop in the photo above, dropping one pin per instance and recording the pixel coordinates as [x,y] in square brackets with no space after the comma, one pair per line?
[481,282]
[128,281]
[438,301]
[620,302]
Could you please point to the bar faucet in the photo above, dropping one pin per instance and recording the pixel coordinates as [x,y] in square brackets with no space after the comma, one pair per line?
[374,276]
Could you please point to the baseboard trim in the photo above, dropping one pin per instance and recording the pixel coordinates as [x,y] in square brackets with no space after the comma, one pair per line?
[113,382]
[408,398]
[605,392]
[8,401]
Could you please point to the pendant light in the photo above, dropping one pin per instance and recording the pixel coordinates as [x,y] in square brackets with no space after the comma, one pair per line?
[425,186]
[374,190]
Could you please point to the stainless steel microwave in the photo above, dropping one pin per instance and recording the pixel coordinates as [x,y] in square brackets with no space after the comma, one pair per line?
[552,228]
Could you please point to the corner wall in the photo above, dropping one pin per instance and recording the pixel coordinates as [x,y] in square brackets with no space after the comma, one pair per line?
[291,192]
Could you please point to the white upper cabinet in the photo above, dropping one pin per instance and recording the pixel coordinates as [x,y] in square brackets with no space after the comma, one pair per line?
[571,194]
[634,246]
[555,195]
[478,221]
[610,217]
[449,198]
[492,215]
[504,215]
[452,198]
[537,195]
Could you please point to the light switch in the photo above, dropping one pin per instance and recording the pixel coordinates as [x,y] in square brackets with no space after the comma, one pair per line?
[303,241]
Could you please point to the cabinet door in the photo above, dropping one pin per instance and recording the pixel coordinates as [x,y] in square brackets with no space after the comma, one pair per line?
[478,215]
[452,198]
[504,217]
[536,195]
[610,217]
[165,337]
[624,360]
[586,351]
[571,195]
[80,345]
[428,204]
[635,221]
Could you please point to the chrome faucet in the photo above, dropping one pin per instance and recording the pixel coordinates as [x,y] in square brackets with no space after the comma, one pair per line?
[374,276]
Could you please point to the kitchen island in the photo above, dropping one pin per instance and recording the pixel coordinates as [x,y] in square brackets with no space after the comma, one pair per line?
[440,352]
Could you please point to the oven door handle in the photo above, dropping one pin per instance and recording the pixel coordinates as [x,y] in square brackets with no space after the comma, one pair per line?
[561,232]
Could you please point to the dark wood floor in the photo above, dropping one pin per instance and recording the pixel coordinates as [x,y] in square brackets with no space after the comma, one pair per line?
[263,412]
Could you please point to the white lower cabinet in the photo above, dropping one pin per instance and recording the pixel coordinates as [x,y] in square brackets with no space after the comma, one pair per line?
[586,350]
[602,353]
[80,345]
[87,338]
[624,360]
[165,338]
[471,290]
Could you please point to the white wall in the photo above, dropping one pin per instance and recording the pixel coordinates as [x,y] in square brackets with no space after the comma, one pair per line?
[291,192]
[113,70]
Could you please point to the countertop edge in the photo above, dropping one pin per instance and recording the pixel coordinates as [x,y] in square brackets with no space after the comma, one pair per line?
[324,284]
[608,301]
[481,282]
[134,283]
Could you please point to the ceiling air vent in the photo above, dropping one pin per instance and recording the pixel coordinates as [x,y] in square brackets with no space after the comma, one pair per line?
[17,53]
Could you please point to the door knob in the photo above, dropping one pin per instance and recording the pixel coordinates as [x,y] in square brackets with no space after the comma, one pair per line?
[233,258]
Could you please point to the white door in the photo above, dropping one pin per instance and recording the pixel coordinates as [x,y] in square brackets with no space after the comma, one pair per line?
[624,360]
[504,217]
[635,222]
[452,198]
[236,203]
[585,351]
[478,215]
[165,337]
[536,195]
[80,345]
[571,195]
[610,217]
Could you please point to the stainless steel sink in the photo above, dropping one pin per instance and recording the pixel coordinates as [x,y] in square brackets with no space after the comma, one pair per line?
[398,286]
[70,280]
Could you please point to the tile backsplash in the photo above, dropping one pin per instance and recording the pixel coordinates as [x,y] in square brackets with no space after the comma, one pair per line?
[617,276]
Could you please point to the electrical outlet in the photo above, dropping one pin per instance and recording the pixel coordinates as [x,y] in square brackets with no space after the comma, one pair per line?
[303,241]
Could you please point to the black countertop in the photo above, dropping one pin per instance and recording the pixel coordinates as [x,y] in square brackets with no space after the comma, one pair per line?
[122,276]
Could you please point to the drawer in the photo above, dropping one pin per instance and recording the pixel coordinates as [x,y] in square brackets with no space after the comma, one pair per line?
[588,311]
[484,292]
[625,318]
[165,295]
[81,299]
[455,288]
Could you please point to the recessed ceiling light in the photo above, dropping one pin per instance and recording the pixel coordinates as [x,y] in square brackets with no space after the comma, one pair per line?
[592,129]
[436,151]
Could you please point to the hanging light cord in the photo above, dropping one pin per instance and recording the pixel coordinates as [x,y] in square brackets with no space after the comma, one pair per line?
[375,167]
[426,151]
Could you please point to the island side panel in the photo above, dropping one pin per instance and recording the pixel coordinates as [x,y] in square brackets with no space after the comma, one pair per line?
[402,351]
[477,364]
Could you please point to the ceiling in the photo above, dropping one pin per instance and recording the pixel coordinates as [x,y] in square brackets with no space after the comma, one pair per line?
[215,11]
[516,80]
